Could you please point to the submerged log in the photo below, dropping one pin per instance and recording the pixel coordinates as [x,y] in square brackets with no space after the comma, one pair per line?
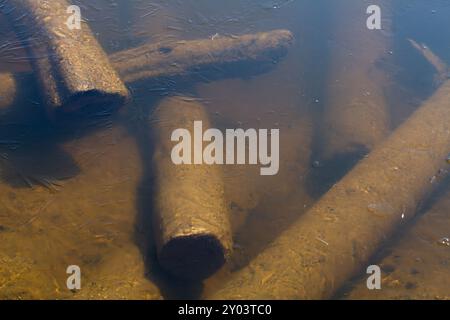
[72,68]
[335,239]
[193,233]
[416,266]
[206,251]
[180,58]
[356,116]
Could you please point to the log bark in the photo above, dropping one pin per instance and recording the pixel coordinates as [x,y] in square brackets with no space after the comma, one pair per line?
[337,236]
[206,252]
[191,222]
[71,66]
[180,58]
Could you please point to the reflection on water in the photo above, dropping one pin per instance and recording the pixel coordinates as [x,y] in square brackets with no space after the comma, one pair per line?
[83,196]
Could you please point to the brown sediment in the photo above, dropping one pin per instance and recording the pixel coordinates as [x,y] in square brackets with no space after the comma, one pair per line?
[335,239]
[417,265]
[178,58]
[356,115]
[190,218]
[7,90]
[93,232]
[71,66]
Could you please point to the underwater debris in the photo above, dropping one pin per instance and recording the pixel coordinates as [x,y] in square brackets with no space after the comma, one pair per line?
[71,78]
[161,60]
[444,241]
[315,272]
[191,218]
[179,58]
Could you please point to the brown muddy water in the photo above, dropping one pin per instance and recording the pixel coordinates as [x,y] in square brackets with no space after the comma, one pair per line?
[79,191]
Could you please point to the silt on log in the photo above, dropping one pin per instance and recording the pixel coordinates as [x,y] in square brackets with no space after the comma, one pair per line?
[191,222]
[179,58]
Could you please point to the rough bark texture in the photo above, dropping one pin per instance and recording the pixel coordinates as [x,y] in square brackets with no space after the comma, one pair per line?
[191,219]
[71,66]
[417,266]
[334,240]
[179,58]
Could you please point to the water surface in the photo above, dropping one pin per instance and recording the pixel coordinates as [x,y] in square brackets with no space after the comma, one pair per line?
[83,196]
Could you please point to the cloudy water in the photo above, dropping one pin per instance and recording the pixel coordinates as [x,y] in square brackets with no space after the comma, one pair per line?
[95,191]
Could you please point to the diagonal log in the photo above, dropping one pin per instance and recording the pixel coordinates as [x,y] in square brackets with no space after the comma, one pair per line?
[181,57]
[72,79]
[335,239]
[185,253]
[415,266]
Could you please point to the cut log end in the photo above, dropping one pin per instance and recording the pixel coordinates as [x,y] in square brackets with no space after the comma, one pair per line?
[193,256]
[191,221]
[180,58]
[93,101]
[71,67]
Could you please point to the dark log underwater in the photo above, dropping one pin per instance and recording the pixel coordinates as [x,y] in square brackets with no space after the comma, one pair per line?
[191,216]
[192,237]
[153,61]
[73,71]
